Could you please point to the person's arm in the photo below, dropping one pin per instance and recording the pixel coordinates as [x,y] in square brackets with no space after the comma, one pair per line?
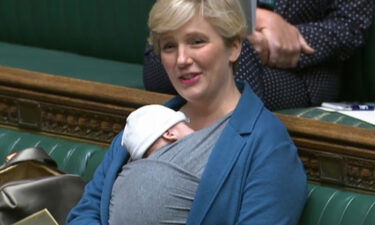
[276,189]
[339,34]
[87,211]
[278,43]
[334,37]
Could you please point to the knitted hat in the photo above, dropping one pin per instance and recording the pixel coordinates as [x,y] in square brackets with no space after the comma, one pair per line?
[145,125]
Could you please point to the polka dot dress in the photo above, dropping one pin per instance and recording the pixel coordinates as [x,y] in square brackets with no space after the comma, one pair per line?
[334,28]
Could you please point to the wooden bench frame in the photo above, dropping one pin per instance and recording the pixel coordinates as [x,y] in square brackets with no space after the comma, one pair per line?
[95,112]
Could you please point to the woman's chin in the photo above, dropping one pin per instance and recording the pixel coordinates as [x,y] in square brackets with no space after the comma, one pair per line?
[193,94]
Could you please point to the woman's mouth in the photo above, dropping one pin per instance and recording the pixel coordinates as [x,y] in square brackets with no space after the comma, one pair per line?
[190,79]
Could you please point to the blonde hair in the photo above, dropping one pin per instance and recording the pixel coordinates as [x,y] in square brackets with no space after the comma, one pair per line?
[226,16]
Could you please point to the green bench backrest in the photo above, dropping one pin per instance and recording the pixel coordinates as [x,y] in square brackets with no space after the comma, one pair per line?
[111,29]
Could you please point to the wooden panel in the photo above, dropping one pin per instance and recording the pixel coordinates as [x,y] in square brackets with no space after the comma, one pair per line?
[84,110]
[333,153]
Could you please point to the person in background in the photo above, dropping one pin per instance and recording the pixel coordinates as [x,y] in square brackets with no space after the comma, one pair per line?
[239,166]
[152,127]
[296,55]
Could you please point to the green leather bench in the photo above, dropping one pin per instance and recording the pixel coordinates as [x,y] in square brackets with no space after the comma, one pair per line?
[332,206]
[325,206]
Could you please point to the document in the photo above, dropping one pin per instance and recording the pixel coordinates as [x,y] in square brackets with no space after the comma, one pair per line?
[367,116]
[249,8]
[42,217]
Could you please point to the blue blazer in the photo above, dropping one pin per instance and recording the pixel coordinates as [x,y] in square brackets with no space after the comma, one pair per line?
[253,176]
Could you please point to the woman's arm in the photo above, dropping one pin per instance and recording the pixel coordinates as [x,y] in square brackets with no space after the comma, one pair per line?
[276,189]
[88,210]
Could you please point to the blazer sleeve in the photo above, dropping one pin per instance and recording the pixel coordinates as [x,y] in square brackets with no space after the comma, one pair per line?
[276,188]
[88,209]
[339,33]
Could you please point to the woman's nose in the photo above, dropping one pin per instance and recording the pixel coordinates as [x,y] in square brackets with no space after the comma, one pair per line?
[183,57]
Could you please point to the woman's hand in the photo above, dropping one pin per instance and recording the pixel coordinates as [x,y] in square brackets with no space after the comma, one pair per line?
[278,42]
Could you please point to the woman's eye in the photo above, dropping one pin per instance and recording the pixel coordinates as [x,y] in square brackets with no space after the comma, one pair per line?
[198,41]
[167,46]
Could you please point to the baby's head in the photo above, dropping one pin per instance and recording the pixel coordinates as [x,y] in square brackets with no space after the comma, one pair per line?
[151,127]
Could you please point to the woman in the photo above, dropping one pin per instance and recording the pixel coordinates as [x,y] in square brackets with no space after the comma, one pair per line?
[238,167]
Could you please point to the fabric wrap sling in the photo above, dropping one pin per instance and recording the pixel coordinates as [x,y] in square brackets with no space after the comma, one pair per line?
[30,181]
[166,181]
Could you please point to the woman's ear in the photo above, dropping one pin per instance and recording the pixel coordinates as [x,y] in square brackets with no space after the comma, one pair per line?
[236,47]
[170,135]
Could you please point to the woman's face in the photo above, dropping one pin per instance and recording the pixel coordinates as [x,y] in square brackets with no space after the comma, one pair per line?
[197,61]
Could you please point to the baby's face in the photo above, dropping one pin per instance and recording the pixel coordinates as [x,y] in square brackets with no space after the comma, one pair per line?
[173,134]
[181,130]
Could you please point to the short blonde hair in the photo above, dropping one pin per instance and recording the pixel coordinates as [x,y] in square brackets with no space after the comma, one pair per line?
[226,16]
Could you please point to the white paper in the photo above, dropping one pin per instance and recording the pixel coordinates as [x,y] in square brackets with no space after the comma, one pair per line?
[367,116]
[42,217]
[249,8]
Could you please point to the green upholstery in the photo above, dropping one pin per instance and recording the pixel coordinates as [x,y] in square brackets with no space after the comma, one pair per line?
[331,206]
[109,29]
[322,115]
[72,157]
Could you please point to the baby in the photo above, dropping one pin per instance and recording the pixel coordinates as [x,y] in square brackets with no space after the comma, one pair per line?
[151,127]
